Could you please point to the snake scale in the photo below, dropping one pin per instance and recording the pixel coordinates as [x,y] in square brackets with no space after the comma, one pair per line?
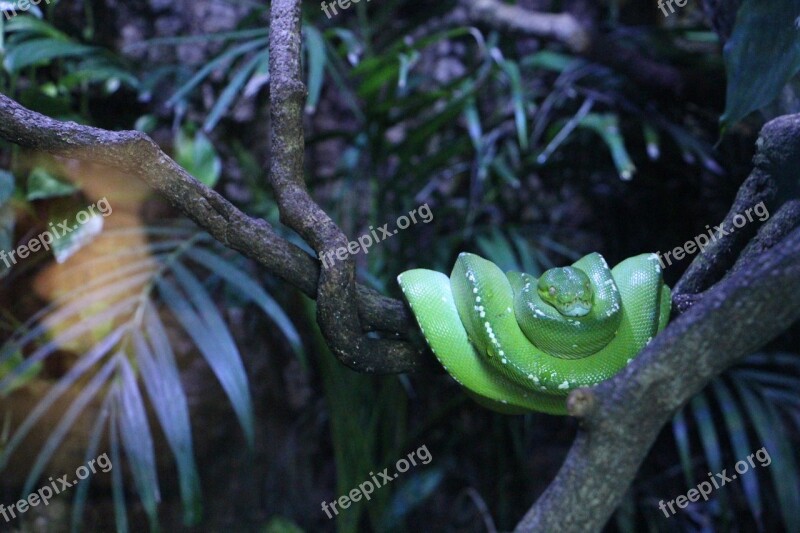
[517,343]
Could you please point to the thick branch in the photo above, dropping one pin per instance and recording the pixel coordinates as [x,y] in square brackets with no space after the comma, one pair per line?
[135,153]
[755,301]
[736,317]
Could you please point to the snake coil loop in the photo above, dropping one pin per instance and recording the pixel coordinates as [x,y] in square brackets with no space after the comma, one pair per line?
[518,343]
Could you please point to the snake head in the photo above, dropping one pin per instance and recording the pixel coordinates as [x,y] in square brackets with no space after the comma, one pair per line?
[568,289]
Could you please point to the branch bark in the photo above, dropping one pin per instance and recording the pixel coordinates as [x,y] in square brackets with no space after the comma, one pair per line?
[135,153]
[620,418]
[756,301]
[337,311]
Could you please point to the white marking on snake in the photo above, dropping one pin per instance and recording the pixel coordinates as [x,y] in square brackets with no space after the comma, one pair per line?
[564,385]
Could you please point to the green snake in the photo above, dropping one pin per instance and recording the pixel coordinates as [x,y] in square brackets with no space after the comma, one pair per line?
[517,343]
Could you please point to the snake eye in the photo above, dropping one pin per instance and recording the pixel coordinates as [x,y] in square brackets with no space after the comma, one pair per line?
[551,291]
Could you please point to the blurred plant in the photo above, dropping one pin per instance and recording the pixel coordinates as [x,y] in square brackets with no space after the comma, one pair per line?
[196,154]
[59,64]
[762,27]
[368,419]
[118,315]
[750,406]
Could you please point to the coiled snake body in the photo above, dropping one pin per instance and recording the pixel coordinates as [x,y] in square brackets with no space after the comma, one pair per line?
[518,343]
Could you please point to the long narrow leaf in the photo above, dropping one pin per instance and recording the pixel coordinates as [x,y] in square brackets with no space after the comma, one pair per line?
[66,422]
[137,440]
[56,391]
[65,337]
[204,72]
[250,290]
[82,493]
[223,358]
[117,485]
[734,421]
[232,90]
[784,472]
[162,382]
[315,48]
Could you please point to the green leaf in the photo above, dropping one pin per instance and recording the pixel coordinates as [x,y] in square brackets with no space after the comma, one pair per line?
[518,95]
[232,90]
[35,27]
[607,126]
[87,393]
[250,290]
[199,317]
[117,486]
[772,434]
[280,524]
[410,495]
[56,391]
[137,439]
[734,421]
[548,60]
[709,440]
[763,29]
[82,492]
[37,51]
[66,245]
[68,335]
[681,434]
[10,365]
[199,157]
[161,378]
[315,49]
[43,185]
[203,73]
[6,186]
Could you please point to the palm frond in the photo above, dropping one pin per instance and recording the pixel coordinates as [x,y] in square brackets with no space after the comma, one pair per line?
[116,321]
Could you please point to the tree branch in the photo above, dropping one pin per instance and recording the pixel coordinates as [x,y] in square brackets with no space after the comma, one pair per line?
[774,167]
[630,409]
[136,154]
[621,417]
[337,311]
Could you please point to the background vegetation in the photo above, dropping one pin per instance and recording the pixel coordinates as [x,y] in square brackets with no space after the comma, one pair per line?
[526,152]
